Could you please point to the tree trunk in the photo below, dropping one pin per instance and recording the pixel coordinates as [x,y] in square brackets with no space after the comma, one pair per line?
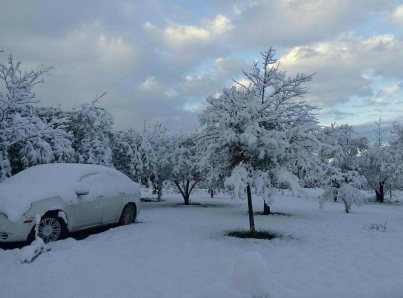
[380,195]
[186,191]
[187,194]
[159,197]
[187,200]
[212,193]
[266,208]
[250,210]
[347,206]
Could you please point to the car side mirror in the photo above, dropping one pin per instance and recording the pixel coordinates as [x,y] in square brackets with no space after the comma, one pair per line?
[82,189]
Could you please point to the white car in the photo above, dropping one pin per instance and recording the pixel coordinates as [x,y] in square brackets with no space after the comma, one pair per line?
[68,197]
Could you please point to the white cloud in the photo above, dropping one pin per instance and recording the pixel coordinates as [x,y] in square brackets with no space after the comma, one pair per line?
[341,66]
[390,91]
[149,25]
[180,36]
[151,84]
[380,101]
[397,16]
[220,25]
[183,45]
[222,73]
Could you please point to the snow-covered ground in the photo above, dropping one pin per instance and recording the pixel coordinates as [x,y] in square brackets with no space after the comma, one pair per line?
[181,251]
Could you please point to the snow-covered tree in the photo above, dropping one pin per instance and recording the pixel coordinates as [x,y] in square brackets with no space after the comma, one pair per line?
[133,155]
[394,166]
[381,164]
[163,144]
[185,172]
[25,134]
[340,154]
[214,167]
[349,195]
[268,136]
[90,126]
[342,147]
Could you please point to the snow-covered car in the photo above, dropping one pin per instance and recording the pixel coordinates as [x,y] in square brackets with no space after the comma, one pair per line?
[68,197]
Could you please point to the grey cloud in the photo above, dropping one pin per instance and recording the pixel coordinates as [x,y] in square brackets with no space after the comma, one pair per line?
[206,84]
[335,113]
[298,22]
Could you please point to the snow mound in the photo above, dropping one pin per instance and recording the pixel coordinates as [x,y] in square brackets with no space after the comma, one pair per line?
[30,252]
[249,274]
[60,180]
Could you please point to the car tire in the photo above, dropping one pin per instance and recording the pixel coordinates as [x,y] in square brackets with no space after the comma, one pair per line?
[128,215]
[51,228]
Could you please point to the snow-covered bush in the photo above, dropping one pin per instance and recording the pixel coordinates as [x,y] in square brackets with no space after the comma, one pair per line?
[348,194]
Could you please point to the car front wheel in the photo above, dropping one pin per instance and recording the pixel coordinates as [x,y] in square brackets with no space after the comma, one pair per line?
[128,215]
[50,228]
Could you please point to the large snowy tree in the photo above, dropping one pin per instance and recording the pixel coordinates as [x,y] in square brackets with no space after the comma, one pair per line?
[49,148]
[268,136]
[382,163]
[340,152]
[90,126]
[185,172]
[25,134]
[342,146]
[163,143]
[133,155]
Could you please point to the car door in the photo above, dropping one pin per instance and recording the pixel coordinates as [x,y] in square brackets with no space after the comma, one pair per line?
[113,207]
[87,213]
[88,209]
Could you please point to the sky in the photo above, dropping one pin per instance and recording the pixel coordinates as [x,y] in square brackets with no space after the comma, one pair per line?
[160,59]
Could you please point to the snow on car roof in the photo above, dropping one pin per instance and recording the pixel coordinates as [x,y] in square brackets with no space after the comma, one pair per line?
[60,180]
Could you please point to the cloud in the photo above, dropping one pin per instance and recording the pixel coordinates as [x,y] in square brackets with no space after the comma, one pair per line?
[335,113]
[298,22]
[390,91]
[180,48]
[379,102]
[342,64]
[183,43]
[220,25]
[92,44]
[159,60]
[179,37]
[151,84]
[206,84]
[397,16]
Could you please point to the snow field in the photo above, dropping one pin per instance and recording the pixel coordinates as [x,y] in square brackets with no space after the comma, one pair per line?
[180,251]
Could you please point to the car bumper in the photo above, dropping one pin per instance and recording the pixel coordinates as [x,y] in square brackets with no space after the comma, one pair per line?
[15,231]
